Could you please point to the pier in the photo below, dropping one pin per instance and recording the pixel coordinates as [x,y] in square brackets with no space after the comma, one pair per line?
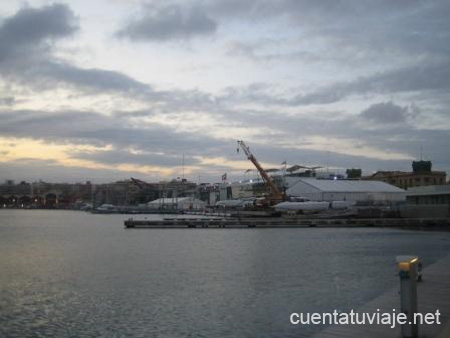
[280,222]
[433,294]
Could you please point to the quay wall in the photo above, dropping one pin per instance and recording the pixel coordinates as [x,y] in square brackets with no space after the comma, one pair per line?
[416,223]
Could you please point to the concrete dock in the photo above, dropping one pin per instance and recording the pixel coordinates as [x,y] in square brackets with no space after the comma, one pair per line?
[280,222]
[433,294]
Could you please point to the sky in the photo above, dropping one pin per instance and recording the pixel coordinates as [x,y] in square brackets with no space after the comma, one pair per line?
[107,90]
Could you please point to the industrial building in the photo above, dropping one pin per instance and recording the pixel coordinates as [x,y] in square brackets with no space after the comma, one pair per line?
[422,175]
[343,190]
[43,195]
[177,203]
[434,194]
[430,201]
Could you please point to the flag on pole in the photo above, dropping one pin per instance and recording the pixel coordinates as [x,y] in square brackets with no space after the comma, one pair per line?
[224,177]
[283,162]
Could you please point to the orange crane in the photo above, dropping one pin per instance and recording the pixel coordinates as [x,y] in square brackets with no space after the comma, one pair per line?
[275,196]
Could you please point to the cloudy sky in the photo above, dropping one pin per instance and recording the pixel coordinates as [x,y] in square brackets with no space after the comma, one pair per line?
[105,90]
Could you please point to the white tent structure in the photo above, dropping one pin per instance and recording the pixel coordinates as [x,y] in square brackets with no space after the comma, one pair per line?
[343,190]
[177,203]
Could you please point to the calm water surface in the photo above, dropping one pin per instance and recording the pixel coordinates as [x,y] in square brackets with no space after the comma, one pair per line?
[73,274]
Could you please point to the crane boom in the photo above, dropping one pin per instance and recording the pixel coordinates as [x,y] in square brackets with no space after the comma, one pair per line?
[139,183]
[275,193]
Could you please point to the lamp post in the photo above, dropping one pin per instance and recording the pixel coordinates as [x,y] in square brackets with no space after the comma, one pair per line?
[408,293]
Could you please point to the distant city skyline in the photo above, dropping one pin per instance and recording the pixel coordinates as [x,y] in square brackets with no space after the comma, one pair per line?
[108,90]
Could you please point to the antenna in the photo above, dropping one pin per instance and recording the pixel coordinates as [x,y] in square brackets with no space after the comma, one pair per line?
[182,176]
[421,152]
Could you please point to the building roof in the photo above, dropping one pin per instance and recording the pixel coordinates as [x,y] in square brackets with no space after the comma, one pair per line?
[391,174]
[351,185]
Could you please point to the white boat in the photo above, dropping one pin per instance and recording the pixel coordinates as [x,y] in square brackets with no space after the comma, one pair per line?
[105,209]
[304,206]
[238,203]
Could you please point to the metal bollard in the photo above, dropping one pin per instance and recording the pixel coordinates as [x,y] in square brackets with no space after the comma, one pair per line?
[407,266]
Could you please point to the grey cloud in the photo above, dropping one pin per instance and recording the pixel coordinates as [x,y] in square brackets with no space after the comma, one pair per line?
[431,79]
[169,23]
[340,22]
[237,8]
[250,51]
[50,171]
[144,158]
[34,65]
[30,27]
[7,101]
[434,76]
[385,113]
[92,78]
[240,49]
[375,25]
[45,125]
[28,60]
[155,138]
[26,55]
[97,129]
[325,159]
[89,128]
[47,73]
[368,28]
[405,138]
[362,33]
[324,96]
[255,92]
[410,79]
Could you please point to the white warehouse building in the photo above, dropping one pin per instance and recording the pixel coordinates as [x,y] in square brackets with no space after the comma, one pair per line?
[177,203]
[343,190]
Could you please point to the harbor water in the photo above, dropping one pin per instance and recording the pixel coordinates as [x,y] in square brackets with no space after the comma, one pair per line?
[75,274]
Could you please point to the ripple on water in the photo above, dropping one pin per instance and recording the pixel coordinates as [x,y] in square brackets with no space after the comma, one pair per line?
[72,274]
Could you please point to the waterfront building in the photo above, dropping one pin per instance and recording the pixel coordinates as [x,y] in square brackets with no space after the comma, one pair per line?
[43,195]
[60,195]
[422,175]
[15,195]
[135,192]
[118,193]
[427,202]
[360,191]
[433,194]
